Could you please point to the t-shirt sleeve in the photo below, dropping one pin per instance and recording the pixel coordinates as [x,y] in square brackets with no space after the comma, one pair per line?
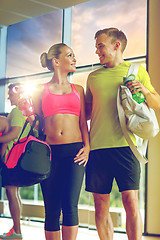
[88,96]
[16,118]
[144,78]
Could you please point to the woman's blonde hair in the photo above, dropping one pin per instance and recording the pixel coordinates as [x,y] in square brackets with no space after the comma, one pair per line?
[53,52]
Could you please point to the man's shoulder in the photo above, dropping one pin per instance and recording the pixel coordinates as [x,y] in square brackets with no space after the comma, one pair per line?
[12,112]
[95,72]
[15,110]
[16,114]
[125,64]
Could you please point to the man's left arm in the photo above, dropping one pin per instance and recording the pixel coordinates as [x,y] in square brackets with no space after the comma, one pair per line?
[152,97]
[144,85]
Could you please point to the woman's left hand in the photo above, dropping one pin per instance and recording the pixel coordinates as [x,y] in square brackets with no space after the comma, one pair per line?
[82,156]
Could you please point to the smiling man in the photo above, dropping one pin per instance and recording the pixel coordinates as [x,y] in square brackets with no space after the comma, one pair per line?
[110,155]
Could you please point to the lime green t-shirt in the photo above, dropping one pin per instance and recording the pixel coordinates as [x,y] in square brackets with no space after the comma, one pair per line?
[16,119]
[102,87]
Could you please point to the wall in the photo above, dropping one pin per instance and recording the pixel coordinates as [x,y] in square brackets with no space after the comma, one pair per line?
[153,189]
[3,50]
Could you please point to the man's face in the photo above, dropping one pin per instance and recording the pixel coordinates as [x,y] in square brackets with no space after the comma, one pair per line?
[105,49]
[13,97]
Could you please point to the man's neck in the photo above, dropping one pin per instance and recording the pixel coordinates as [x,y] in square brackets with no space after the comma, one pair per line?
[116,61]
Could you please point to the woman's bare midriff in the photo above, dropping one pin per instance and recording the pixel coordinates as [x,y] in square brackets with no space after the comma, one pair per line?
[62,129]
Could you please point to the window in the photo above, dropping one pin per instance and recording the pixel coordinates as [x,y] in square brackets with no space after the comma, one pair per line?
[87,19]
[91,16]
[24,49]
[28,40]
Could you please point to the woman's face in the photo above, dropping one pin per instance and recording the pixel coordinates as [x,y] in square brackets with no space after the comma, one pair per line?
[67,61]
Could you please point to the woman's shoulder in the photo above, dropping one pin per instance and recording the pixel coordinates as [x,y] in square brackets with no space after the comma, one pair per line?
[40,87]
[80,90]
[79,87]
[37,93]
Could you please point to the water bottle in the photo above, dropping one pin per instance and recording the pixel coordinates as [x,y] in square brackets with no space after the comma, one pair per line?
[138,96]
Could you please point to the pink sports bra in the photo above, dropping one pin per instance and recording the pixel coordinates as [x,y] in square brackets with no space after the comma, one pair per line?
[69,103]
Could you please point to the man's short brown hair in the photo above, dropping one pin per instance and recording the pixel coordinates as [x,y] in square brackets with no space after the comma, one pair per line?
[115,35]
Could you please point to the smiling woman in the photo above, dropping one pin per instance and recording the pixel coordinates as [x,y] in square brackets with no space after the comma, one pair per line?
[61,105]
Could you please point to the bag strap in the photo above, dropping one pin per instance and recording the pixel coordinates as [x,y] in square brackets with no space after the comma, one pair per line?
[122,120]
[133,69]
[32,126]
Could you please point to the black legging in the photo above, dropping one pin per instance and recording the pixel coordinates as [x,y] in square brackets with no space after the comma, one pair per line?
[61,190]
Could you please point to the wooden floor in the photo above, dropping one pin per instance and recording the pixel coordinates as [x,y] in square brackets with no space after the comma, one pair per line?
[34,231]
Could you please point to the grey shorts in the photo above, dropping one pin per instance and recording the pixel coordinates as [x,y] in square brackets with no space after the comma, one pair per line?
[106,164]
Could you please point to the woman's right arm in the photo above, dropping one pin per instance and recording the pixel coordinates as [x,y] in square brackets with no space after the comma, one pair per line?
[36,102]
[37,105]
